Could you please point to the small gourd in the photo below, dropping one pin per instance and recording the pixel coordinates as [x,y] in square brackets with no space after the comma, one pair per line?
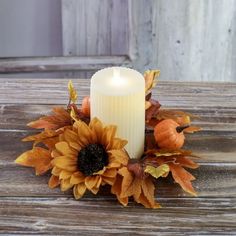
[86,106]
[169,134]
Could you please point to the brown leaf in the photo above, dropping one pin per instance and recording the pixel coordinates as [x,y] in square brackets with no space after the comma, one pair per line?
[59,119]
[154,116]
[152,109]
[38,157]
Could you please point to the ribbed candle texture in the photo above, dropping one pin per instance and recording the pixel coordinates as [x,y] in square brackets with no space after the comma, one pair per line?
[117,96]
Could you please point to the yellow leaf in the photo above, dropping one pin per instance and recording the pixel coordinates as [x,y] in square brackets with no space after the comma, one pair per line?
[73,114]
[157,171]
[150,79]
[72,92]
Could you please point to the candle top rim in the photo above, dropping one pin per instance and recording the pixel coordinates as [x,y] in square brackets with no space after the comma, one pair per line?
[129,82]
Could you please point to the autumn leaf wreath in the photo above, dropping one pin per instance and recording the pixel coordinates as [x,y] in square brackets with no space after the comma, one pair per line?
[83,154]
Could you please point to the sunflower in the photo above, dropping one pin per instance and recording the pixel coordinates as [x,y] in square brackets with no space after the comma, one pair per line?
[86,157]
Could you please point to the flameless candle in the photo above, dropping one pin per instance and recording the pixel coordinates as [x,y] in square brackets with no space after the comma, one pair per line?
[118,97]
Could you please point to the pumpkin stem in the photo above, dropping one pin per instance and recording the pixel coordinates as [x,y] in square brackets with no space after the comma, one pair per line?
[180,128]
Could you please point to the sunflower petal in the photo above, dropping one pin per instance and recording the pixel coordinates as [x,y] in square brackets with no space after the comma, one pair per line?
[77,178]
[65,184]
[65,163]
[79,190]
[53,181]
[91,181]
[64,149]
[118,156]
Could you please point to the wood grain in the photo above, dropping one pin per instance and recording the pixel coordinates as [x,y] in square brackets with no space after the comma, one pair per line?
[191,40]
[28,206]
[64,216]
[52,64]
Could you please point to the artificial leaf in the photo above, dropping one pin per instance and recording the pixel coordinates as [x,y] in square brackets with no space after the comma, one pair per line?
[157,172]
[38,157]
[127,184]
[73,114]
[48,137]
[152,109]
[154,116]
[72,92]
[150,79]
[150,142]
[192,129]
[176,164]
[183,178]
[167,152]
[59,119]
[180,117]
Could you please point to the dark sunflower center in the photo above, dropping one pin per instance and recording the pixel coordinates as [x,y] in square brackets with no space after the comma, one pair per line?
[92,158]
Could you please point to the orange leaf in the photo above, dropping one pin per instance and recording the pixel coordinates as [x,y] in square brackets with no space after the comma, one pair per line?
[38,157]
[147,197]
[141,189]
[192,129]
[59,119]
[41,136]
[183,178]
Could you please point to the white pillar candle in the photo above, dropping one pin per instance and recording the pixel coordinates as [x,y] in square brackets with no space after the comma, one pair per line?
[117,96]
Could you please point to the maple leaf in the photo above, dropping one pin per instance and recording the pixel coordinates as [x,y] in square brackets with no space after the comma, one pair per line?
[38,157]
[59,119]
[181,117]
[150,79]
[72,92]
[127,184]
[176,165]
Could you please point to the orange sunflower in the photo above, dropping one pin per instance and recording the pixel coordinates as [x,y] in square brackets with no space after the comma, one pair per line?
[86,157]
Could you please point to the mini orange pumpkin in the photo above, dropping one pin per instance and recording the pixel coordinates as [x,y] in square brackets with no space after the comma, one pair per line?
[86,106]
[169,134]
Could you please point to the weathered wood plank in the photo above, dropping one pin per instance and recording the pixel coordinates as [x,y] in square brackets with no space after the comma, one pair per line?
[63,216]
[210,146]
[210,118]
[174,94]
[47,64]
[213,179]
[95,27]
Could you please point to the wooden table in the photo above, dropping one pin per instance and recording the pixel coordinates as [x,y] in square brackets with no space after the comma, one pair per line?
[28,206]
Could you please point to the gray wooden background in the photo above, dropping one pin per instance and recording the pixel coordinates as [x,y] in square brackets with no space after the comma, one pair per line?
[187,40]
